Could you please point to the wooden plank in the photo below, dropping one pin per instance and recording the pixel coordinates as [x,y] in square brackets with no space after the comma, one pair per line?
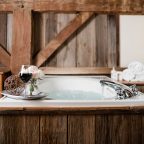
[66,56]
[3,29]
[113,53]
[101,41]
[81,70]
[49,31]
[101,129]
[37,33]
[142,128]
[81,129]
[53,129]
[22,35]
[9,32]
[19,129]
[4,57]
[119,129]
[111,6]
[61,38]
[6,7]
[1,84]
[86,44]
[136,129]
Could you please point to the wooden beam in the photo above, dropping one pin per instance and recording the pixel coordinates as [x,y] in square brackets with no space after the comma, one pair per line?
[78,70]
[4,57]
[54,44]
[22,35]
[99,6]
[6,7]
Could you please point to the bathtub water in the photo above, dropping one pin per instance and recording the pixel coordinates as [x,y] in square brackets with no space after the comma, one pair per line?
[75,88]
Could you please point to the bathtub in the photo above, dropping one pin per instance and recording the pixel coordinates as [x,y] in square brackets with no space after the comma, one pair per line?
[75,91]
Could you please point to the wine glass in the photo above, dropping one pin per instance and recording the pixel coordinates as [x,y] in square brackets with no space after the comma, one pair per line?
[25,75]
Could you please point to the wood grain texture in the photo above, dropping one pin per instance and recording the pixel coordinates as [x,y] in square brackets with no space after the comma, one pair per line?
[49,32]
[9,32]
[6,5]
[81,129]
[1,83]
[101,40]
[61,38]
[66,57]
[22,35]
[78,70]
[114,6]
[3,30]
[19,129]
[118,129]
[53,129]
[112,52]
[142,129]
[86,44]
[136,131]
[4,57]
[3,38]
[101,129]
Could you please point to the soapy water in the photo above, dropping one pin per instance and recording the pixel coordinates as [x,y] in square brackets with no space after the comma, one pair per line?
[74,95]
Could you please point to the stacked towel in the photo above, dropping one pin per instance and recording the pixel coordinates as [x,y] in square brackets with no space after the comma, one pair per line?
[134,72]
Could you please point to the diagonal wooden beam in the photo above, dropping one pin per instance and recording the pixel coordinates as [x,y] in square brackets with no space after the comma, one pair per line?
[4,57]
[54,44]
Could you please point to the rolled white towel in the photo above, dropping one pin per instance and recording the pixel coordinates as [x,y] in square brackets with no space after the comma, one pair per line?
[128,75]
[139,77]
[136,67]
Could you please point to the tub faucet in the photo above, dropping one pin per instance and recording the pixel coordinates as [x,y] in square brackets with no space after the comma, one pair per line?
[122,91]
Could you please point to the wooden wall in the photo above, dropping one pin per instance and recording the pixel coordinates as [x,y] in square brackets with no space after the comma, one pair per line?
[95,44]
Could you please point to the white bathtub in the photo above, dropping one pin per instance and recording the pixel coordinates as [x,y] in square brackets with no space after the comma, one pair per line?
[74,91]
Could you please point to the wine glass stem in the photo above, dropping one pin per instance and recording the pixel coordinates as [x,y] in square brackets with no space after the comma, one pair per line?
[25,91]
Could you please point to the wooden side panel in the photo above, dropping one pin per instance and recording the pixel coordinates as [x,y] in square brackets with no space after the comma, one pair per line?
[19,130]
[142,129]
[22,43]
[53,129]
[101,129]
[1,83]
[136,132]
[119,129]
[66,56]
[81,129]
[86,44]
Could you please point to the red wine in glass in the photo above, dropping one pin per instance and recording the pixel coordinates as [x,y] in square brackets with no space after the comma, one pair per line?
[25,77]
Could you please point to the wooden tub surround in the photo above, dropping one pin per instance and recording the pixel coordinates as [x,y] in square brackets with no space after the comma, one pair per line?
[72,125]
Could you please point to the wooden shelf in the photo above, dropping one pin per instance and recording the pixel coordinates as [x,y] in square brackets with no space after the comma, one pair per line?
[78,70]
[138,83]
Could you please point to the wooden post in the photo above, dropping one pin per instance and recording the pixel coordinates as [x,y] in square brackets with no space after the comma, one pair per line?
[22,35]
